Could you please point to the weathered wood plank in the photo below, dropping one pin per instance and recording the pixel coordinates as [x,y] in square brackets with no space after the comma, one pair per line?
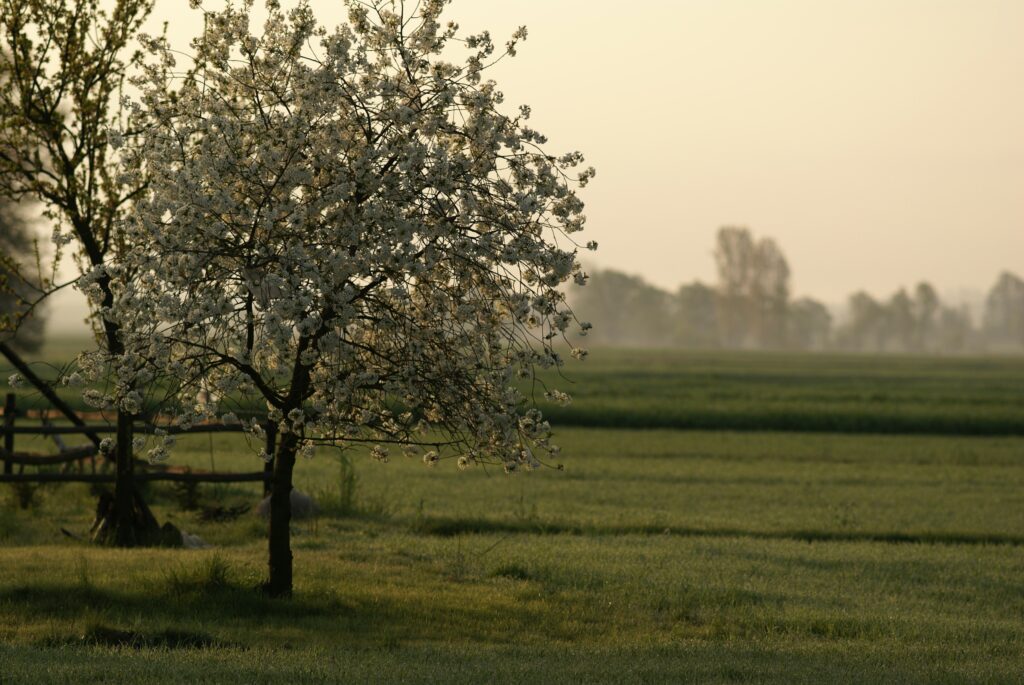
[109,477]
[147,429]
[10,412]
[26,459]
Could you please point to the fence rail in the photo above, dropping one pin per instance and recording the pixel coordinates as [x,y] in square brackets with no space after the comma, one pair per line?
[11,458]
[25,459]
[148,429]
[180,477]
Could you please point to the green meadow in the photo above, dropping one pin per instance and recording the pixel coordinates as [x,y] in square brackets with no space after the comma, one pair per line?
[795,392]
[720,518]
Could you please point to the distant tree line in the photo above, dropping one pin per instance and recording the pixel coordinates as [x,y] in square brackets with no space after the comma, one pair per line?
[751,307]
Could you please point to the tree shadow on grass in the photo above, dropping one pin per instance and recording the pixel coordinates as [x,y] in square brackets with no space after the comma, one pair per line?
[203,615]
[68,601]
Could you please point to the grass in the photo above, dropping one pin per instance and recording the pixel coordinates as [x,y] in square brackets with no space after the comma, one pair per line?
[771,485]
[753,391]
[384,605]
[794,392]
[657,555]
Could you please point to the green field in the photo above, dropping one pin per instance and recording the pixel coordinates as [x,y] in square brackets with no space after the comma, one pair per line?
[795,392]
[756,391]
[658,555]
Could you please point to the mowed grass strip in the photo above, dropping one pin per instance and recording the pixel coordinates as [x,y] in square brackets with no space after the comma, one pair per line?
[792,392]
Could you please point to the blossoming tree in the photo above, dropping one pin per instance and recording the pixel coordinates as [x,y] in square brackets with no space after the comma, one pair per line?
[347,226]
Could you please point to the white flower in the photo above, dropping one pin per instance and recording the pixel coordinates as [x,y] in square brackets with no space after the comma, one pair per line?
[558,397]
[73,379]
[158,454]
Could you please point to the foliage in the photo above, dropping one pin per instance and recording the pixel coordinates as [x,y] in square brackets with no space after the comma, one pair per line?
[633,313]
[754,289]
[905,323]
[62,67]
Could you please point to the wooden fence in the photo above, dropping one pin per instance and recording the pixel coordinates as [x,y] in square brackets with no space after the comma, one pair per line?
[77,455]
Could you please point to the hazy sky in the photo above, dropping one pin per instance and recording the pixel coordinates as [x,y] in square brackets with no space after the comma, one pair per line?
[880,142]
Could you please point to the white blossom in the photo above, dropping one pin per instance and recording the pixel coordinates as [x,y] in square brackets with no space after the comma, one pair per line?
[158,455]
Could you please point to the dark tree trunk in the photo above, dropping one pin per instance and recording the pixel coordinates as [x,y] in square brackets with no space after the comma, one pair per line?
[126,532]
[127,522]
[280,582]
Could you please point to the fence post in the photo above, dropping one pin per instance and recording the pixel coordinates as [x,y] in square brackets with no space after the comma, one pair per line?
[268,468]
[9,411]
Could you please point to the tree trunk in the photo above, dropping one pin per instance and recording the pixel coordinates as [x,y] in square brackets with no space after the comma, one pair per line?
[129,522]
[126,533]
[280,582]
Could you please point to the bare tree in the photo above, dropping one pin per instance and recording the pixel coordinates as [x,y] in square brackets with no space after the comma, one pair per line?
[753,282]
[1004,312]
